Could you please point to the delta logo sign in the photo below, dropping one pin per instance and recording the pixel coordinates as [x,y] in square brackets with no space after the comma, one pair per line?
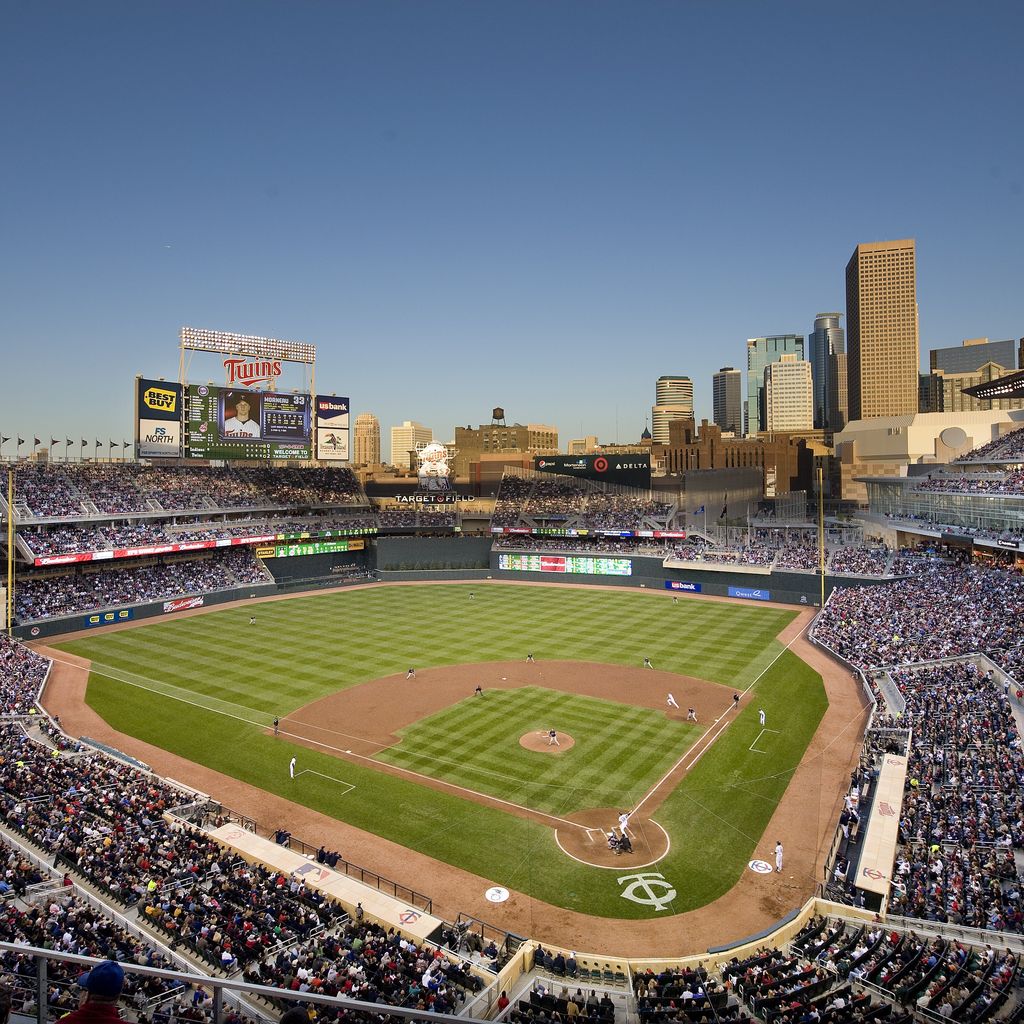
[239,371]
[160,399]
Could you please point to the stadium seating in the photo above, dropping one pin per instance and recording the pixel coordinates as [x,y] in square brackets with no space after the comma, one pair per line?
[50,594]
[1007,448]
[87,490]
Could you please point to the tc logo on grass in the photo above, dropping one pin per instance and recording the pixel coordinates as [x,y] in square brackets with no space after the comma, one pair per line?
[646,883]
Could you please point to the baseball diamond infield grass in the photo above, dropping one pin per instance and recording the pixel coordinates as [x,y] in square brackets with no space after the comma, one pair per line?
[207,688]
[620,752]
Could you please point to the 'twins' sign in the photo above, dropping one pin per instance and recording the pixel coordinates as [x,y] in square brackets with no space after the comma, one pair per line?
[240,371]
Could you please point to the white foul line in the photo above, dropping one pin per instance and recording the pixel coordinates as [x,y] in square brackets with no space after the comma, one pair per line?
[330,778]
[716,731]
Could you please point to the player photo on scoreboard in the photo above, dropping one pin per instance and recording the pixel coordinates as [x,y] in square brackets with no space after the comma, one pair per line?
[240,415]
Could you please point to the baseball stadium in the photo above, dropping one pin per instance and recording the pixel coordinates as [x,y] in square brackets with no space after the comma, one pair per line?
[568,750]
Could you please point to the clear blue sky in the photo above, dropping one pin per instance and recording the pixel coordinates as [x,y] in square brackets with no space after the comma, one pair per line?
[540,205]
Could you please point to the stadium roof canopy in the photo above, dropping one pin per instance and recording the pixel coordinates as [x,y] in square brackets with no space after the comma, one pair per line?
[1009,386]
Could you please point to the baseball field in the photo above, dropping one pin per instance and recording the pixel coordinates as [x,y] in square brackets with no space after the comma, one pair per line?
[467,776]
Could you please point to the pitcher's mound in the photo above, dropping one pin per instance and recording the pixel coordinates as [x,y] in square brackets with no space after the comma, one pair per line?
[540,742]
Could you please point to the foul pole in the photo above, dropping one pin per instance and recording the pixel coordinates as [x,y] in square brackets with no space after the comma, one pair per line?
[10,550]
[821,536]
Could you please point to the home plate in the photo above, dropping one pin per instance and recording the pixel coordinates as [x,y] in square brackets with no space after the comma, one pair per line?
[504,679]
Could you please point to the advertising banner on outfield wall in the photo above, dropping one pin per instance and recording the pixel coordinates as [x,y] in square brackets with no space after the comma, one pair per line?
[183,604]
[332,428]
[750,593]
[692,588]
[109,618]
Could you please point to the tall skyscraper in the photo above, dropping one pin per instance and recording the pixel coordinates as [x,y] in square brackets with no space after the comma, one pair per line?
[727,397]
[404,439]
[673,401]
[838,392]
[761,352]
[973,354]
[366,440]
[788,394]
[826,340]
[881,316]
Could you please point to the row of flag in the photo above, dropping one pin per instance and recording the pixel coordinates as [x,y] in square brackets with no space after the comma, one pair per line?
[36,442]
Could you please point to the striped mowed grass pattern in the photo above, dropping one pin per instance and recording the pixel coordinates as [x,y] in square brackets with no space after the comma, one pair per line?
[305,648]
[620,751]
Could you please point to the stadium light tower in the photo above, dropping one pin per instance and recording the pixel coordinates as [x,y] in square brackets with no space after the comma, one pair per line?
[253,346]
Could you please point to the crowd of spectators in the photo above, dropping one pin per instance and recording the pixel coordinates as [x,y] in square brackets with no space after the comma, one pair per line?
[22,672]
[558,500]
[605,545]
[963,805]
[1007,448]
[941,524]
[58,919]
[1010,482]
[69,539]
[64,490]
[803,556]
[948,611]
[50,595]
[239,913]
[425,517]
[364,961]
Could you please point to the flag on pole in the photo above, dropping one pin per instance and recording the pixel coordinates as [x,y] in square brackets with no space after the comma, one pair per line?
[4,440]
[725,506]
[699,511]
[36,442]
[53,441]
[21,441]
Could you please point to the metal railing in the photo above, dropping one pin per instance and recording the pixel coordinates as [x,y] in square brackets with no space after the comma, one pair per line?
[223,988]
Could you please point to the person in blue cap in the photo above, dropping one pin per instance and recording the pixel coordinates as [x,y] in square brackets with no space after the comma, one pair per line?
[102,988]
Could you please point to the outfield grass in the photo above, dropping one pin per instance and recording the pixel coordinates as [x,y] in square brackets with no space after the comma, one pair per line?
[206,687]
[620,750]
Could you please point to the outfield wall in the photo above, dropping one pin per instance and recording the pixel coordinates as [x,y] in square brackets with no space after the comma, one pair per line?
[305,567]
[651,574]
[129,613]
[416,554]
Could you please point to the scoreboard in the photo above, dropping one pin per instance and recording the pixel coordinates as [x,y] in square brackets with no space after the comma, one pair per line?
[238,424]
[310,547]
[583,565]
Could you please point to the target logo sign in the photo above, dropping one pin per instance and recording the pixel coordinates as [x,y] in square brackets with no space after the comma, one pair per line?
[601,464]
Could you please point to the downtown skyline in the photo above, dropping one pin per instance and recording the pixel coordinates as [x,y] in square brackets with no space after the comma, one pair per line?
[544,207]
